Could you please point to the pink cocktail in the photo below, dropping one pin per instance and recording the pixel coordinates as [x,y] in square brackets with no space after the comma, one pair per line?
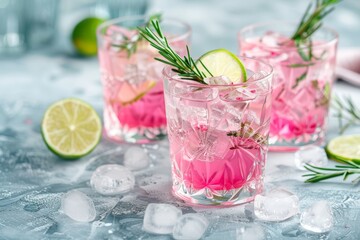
[302,87]
[134,108]
[218,136]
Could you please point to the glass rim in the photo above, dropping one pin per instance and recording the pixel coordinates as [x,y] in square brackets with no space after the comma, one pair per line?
[333,40]
[168,69]
[113,21]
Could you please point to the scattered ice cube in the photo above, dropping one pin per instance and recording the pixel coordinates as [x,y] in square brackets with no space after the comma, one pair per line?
[312,154]
[78,206]
[136,158]
[219,80]
[250,232]
[278,205]
[318,218]
[160,218]
[112,179]
[190,226]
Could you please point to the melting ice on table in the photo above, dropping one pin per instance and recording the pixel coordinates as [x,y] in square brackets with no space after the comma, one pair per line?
[160,218]
[135,158]
[311,154]
[318,218]
[112,179]
[246,231]
[78,206]
[278,205]
[190,226]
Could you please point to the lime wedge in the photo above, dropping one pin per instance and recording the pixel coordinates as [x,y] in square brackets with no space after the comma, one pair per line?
[71,128]
[345,148]
[221,62]
[84,36]
[130,93]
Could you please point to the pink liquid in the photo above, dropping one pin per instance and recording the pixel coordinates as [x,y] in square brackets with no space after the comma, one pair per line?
[133,89]
[300,104]
[148,111]
[241,163]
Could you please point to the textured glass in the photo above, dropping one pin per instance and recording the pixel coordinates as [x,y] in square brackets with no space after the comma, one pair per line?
[218,136]
[12,26]
[302,88]
[133,89]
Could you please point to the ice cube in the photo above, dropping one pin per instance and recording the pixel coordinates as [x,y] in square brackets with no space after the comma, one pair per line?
[219,80]
[278,205]
[135,158]
[112,179]
[134,74]
[190,226]
[250,232]
[160,218]
[311,154]
[238,94]
[318,218]
[274,39]
[78,206]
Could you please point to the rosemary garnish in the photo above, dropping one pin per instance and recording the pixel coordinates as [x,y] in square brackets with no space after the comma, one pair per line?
[185,67]
[130,44]
[347,113]
[246,131]
[309,24]
[324,99]
[300,78]
[319,173]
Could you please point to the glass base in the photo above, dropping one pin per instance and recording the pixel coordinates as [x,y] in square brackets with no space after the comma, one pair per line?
[276,145]
[135,135]
[223,198]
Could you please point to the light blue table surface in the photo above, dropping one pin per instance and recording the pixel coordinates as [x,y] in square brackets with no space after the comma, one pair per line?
[32,179]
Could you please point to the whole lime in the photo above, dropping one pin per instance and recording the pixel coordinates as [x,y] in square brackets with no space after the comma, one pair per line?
[84,36]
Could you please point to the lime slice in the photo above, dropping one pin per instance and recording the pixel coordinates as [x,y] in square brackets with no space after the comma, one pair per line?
[129,93]
[221,62]
[345,148]
[71,128]
[84,36]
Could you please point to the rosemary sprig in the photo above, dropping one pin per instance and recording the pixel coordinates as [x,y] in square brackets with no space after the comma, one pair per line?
[348,113]
[319,173]
[185,67]
[310,22]
[246,131]
[130,44]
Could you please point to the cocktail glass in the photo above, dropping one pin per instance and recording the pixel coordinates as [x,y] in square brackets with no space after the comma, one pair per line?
[301,86]
[134,108]
[218,136]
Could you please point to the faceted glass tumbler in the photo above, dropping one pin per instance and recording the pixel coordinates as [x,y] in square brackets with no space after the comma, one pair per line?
[12,27]
[303,79]
[132,80]
[218,136]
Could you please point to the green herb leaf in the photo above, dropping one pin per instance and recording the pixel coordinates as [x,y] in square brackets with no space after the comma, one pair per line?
[319,174]
[130,44]
[185,67]
[348,113]
[300,79]
[309,24]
